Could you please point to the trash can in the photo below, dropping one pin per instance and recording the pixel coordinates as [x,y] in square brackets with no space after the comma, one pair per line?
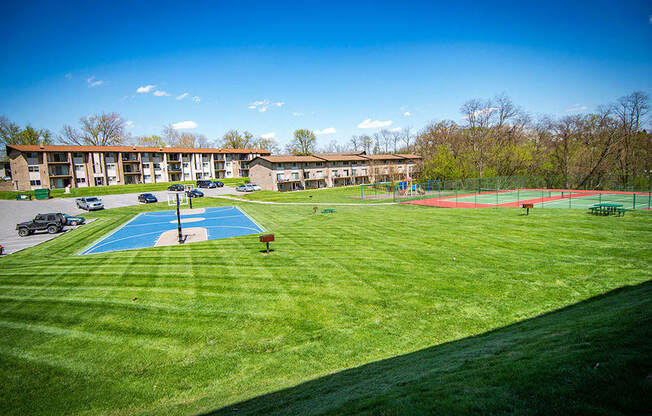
[42,193]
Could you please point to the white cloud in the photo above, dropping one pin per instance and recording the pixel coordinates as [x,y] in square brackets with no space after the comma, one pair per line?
[297,114]
[196,99]
[395,129]
[182,96]
[161,93]
[576,108]
[269,135]
[368,124]
[145,89]
[407,114]
[184,125]
[68,75]
[92,83]
[650,18]
[264,105]
[129,124]
[329,130]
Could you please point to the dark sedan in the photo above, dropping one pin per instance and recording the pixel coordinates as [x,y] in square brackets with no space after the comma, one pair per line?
[70,220]
[219,184]
[147,198]
[176,187]
[195,193]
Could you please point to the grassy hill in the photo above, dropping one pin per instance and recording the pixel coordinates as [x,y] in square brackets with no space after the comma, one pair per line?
[362,311]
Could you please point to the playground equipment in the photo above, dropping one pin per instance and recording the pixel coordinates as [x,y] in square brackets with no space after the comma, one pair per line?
[408,188]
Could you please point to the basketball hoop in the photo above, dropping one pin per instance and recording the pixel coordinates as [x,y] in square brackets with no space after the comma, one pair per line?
[172,198]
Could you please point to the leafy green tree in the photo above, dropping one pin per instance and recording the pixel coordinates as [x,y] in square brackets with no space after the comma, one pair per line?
[232,139]
[304,142]
[150,141]
[11,133]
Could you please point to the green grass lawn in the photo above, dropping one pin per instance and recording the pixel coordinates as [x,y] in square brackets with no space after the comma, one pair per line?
[116,189]
[362,311]
[342,194]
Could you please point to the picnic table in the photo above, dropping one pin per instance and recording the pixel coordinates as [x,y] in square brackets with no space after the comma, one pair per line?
[607,209]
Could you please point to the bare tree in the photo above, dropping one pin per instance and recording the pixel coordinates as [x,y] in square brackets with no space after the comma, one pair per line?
[174,138]
[505,109]
[366,143]
[97,130]
[407,138]
[355,143]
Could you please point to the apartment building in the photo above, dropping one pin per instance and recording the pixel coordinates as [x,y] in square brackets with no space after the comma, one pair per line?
[289,173]
[45,166]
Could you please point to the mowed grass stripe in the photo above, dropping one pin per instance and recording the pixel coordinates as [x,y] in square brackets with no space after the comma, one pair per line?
[217,322]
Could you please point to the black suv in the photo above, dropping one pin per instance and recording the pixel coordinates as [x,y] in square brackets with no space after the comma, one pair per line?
[53,223]
[176,187]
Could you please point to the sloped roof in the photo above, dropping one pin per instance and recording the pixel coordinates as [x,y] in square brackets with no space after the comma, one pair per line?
[290,159]
[337,157]
[129,149]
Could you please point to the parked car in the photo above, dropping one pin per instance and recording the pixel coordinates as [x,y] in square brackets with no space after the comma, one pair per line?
[70,220]
[53,223]
[206,184]
[194,193]
[256,187]
[89,203]
[147,198]
[176,187]
[218,184]
[6,178]
[245,188]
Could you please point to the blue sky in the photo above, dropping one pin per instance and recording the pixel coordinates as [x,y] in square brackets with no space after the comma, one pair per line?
[326,66]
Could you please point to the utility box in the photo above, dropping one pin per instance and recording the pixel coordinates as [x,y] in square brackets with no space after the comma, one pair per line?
[42,194]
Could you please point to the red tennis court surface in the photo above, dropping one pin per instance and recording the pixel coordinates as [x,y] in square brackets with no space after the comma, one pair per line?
[542,198]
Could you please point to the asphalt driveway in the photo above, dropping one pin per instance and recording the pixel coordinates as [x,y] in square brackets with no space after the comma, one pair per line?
[14,212]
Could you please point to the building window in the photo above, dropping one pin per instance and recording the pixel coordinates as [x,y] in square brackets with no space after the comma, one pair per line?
[279,177]
[80,180]
[35,183]
[295,175]
[157,166]
[318,164]
[33,168]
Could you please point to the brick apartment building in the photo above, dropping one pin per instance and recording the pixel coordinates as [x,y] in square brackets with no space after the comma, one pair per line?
[288,173]
[44,166]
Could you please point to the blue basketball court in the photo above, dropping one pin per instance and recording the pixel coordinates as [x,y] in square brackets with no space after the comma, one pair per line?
[151,229]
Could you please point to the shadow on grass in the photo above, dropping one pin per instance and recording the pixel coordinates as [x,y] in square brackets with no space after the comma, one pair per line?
[594,357]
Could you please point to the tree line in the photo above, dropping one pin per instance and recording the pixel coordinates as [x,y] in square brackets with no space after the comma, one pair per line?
[579,150]
[110,129]
[494,138]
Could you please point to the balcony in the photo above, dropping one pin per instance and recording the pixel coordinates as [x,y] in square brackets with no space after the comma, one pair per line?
[58,159]
[59,173]
[172,169]
[286,180]
[130,161]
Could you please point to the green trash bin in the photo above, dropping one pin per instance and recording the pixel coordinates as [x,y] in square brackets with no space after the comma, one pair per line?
[42,193]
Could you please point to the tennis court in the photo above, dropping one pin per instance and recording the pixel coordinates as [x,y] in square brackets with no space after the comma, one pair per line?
[152,229]
[541,198]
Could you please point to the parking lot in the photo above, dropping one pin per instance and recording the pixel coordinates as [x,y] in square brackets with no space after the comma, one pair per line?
[14,212]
